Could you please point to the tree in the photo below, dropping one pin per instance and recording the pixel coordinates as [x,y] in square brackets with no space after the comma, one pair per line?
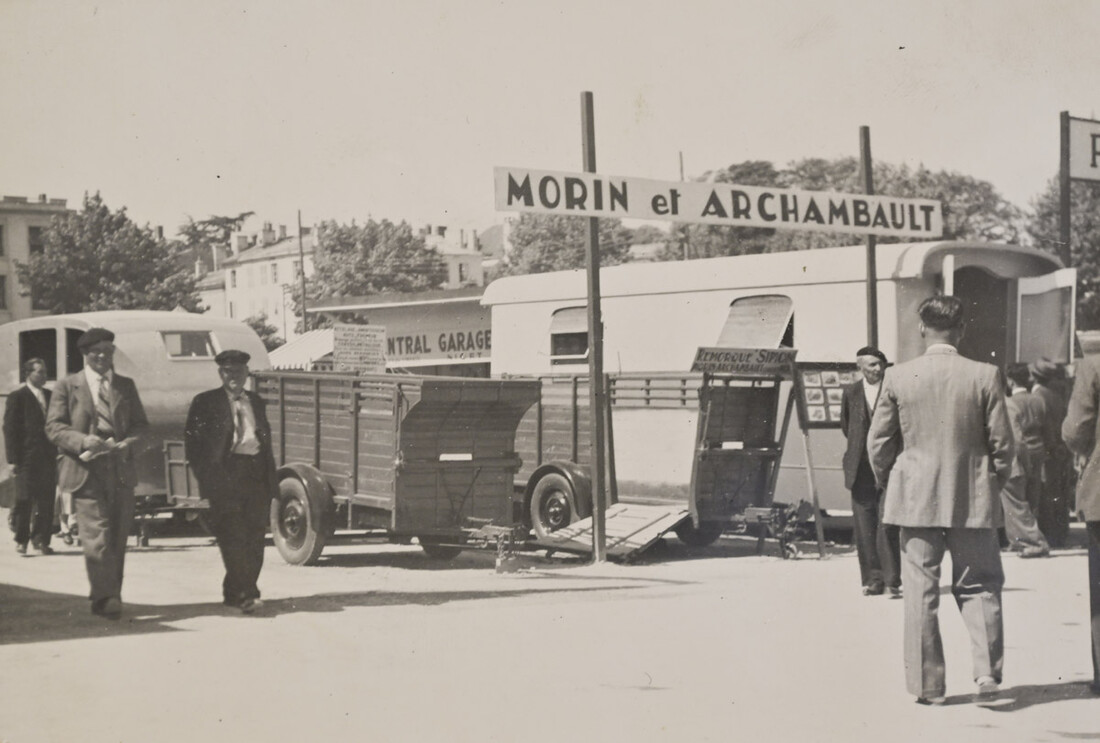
[268,333]
[551,242]
[205,234]
[972,208]
[1084,243]
[96,259]
[356,260]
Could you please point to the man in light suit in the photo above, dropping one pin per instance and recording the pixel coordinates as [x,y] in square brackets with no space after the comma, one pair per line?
[228,443]
[876,543]
[98,422]
[33,458]
[1081,431]
[943,490]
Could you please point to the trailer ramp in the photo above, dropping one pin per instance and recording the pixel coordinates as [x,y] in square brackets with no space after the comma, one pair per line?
[631,528]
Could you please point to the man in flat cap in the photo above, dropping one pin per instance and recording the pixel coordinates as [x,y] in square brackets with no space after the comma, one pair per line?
[97,421]
[228,443]
[876,543]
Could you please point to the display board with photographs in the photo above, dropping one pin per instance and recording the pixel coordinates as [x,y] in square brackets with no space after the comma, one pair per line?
[821,386]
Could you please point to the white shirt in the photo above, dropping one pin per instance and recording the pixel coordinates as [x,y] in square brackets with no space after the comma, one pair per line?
[245,441]
[38,396]
[870,392]
[94,379]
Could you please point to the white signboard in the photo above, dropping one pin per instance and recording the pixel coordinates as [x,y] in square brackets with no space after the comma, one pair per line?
[1084,149]
[359,349]
[750,362]
[594,195]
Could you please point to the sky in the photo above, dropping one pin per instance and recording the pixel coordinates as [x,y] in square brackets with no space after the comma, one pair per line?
[352,109]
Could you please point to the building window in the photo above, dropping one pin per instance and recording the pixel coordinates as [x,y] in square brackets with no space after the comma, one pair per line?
[232,283]
[463,273]
[763,321]
[35,240]
[569,336]
[3,292]
[274,273]
[1,239]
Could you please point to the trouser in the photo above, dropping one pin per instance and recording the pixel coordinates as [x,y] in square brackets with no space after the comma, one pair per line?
[1093,528]
[104,514]
[877,544]
[976,582]
[1054,506]
[239,521]
[1016,496]
[32,512]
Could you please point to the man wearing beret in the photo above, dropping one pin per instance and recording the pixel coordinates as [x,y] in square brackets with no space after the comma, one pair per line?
[228,444]
[877,545]
[98,422]
[1052,511]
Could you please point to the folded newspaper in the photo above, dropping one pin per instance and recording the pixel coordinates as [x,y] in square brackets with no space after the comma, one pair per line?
[87,456]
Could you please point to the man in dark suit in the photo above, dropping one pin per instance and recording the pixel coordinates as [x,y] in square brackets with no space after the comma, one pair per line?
[943,481]
[1081,431]
[877,543]
[98,422]
[228,444]
[1053,509]
[33,458]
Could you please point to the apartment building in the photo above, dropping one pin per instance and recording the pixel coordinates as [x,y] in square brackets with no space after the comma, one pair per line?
[23,225]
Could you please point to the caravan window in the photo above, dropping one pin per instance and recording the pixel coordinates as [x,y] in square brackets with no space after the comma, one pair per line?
[569,336]
[188,344]
[763,321]
[74,359]
[41,344]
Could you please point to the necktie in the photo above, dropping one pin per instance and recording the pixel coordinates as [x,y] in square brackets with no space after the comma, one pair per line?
[103,422]
[238,422]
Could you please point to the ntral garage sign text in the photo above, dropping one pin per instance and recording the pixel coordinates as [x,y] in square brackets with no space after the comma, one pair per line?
[594,195]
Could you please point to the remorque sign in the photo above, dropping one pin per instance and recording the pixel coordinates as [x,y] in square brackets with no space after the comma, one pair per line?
[595,195]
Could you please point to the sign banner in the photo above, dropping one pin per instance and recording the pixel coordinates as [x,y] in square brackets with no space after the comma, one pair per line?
[360,349]
[594,195]
[749,362]
[1084,149]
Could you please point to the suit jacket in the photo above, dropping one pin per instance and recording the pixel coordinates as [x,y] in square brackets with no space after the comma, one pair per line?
[208,439]
[1081,430]
[25,439]
[72,416]
[1026,414]
[855,420]
[958,448]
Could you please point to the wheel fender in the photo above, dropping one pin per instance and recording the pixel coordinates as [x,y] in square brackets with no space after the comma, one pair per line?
[317,490]
[579,481]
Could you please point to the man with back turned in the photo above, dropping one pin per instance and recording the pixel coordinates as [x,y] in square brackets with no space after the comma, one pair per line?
[943,490]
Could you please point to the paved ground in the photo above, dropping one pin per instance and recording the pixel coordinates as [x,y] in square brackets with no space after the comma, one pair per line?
[380,643]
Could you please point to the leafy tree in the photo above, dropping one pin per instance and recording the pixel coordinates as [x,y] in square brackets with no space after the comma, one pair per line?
[204,234]
[268,333]
[550,242]
[1084,243]
[972,208]
[96,259]
[356,260]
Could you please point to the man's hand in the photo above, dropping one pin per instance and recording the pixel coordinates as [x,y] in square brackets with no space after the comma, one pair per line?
[95,445]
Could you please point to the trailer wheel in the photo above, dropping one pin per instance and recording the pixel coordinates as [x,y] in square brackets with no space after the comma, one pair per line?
[300,522]
[553,505]
[435,549]
[706,535]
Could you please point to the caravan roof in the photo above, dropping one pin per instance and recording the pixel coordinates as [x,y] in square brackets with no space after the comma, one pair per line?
[824,265]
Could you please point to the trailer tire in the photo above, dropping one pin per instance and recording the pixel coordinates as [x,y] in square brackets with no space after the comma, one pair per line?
[435,548]
[705,535]
[553,505]
[301,521]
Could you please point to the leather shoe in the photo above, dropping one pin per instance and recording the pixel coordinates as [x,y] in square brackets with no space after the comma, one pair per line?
[1028,552]
[45,549]
[987,687]
[932,701]
[67,538]
[21,547]
[250,606]
[108,608]
[875,589]
[895,592]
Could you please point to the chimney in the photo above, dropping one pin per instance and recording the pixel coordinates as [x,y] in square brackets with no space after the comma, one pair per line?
[462,239]
[269,234]
[282,232]
[473,241]
[41,198]
[160,232]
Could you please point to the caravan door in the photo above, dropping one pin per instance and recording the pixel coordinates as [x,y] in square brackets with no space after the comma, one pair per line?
[1045,316]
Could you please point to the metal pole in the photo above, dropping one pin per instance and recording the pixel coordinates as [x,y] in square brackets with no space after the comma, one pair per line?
[302,274]
[1064,251]
[872,270]
[595,343]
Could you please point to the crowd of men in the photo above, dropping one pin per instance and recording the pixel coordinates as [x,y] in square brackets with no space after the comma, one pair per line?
[947,454]
[82,440]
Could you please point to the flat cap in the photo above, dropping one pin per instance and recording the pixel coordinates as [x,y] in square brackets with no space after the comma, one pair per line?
[872,351]
[93,336]
[1044,368]
[231,356]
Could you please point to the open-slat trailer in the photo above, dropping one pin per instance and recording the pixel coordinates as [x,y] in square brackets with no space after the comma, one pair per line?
[418,456]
